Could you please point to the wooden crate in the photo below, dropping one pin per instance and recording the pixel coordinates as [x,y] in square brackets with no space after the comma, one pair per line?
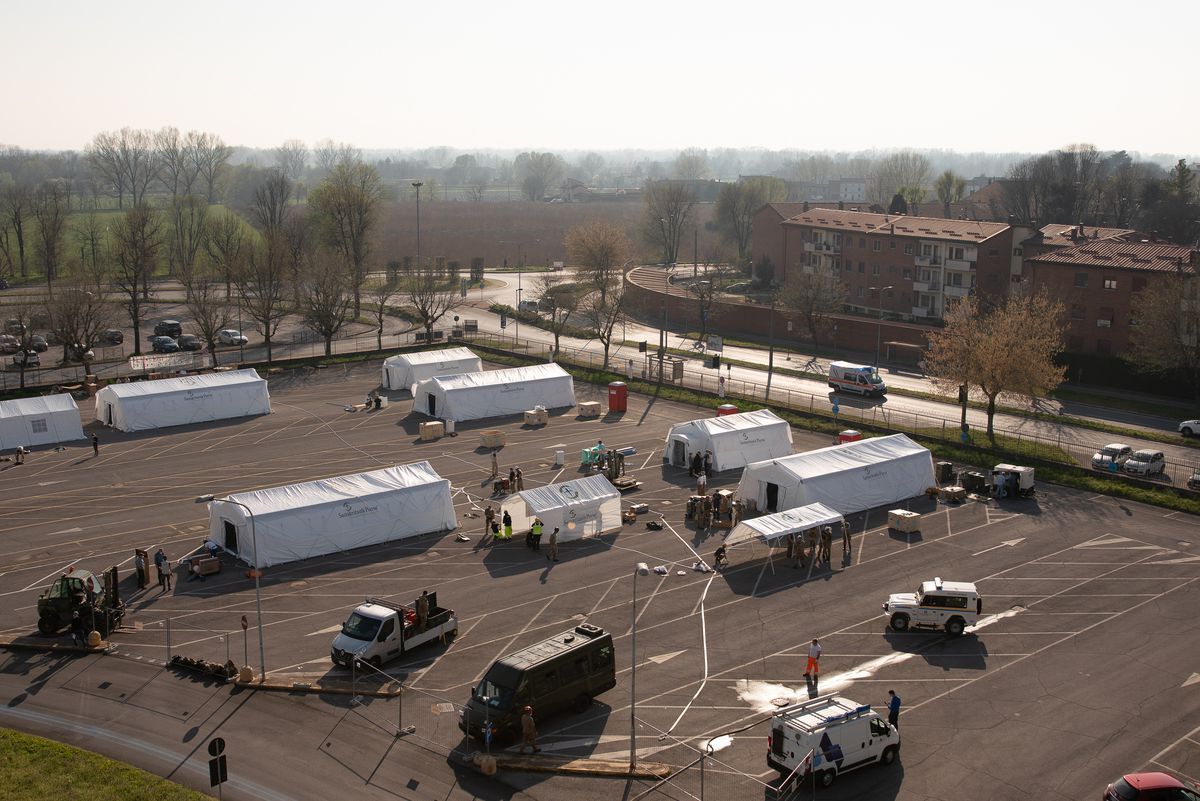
[432,430]
[589,409]
[492,438]
[904,521]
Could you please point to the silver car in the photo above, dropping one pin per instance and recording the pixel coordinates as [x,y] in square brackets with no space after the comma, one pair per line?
[1146,463]
[1106,457]
[230,336]
[1189,427]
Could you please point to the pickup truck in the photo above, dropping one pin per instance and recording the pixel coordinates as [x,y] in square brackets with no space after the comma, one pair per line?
[379,630]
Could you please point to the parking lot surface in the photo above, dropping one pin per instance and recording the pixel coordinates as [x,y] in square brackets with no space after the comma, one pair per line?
[1082,668]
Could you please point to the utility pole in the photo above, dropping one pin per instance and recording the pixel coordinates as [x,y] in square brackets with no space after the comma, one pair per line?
[417,186]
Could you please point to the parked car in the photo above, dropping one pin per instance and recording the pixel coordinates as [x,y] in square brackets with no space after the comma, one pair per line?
[1150,787]
[112,336]
[15,326]
[1146,463]
[168,328]
[38,343]
[78,353]
[164,344]
[231,336]
[9,343]
[1189,427]
[3,284]
[1116,452]
[190,342]
[27,358]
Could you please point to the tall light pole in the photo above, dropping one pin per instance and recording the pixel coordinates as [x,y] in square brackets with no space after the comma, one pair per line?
[642,569]
[771,338]
[879,322]
[417,186]
[262,651]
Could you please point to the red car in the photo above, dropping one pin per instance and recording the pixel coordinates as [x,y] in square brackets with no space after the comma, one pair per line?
[1149,787]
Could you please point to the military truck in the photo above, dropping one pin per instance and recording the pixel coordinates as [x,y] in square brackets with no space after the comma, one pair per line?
[94,597]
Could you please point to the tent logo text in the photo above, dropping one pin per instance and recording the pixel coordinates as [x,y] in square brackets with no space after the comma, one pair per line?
[350,511]
[872,471]
[567,491]
[193,395]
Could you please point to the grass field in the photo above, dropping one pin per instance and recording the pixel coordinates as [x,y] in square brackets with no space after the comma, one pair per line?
[34,769]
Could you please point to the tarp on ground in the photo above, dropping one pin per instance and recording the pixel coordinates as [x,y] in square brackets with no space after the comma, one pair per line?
[315,518]
[848,478]
[771,528]
[735,440]
[404,370]
[582,507]
[41,420]
[494,393]
[186,399]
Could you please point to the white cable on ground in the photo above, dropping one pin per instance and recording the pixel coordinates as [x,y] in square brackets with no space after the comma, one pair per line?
[703,636]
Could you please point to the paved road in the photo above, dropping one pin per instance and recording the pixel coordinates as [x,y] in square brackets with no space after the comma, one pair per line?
[1079,673]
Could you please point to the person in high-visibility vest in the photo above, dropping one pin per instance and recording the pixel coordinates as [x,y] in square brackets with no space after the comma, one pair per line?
[536,533]
[507,526]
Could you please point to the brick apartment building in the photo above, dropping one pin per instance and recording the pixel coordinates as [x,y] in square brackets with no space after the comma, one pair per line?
[1097,281]
[905,267]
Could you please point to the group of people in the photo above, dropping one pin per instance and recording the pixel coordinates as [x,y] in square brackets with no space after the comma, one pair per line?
[819,544]
[701,464]
[374,401]
[502,530]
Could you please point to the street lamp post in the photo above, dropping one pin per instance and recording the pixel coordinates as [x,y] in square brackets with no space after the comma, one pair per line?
[262,651]
[879,322]
[642,569]
[771,338]
[417,186]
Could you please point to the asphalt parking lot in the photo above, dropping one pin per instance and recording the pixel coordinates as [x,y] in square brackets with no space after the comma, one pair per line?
[1078,673]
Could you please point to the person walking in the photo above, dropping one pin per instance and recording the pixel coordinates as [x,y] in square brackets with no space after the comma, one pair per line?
[846,547]
[721,387]
[20,454]
[520,485]
[813,668]
[507,520]
[796,546]
[719,558]
[695,465]
[552,554]
[489,517]
[528,731]
[166,573]
[536,531]
[826,544]
[893,708]
[512,480]
[701,484]
[495,465]
[708,463]
[139,562]
[160,566]
[629,370]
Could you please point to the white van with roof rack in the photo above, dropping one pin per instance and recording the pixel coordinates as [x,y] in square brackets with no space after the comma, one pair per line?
[839,734]
[937,604]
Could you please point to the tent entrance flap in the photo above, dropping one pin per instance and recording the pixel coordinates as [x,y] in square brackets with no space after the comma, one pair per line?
[679,453]
[231,538]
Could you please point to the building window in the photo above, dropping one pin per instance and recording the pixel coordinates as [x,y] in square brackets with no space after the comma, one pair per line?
[875,269]
[1139,283]
[1103,347]
[1105,318]
[37,426]
[1081,280]
[876,246]
[858,293]
[908,275]
[955,253]
[1078,311]
[1017,251]
[908,249]
[1110,283]
[892,244]
[862,243]
[1075,344]
[862,267]
[837,265]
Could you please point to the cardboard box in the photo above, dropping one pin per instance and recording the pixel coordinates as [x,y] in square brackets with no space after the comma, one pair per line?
[589,409]
[432,430]
[492,438]
[904,521]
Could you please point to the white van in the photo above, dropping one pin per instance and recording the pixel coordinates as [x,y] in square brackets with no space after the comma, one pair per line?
[950,606]
[860,378]
[840,734]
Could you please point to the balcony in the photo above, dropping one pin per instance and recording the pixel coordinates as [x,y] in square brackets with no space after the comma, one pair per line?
[929,261]
[957,291]
[810,247]
[921,311]
[926,286]
[959,264]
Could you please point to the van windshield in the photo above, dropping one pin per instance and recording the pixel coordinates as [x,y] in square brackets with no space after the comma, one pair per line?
[359,627]
[493,695]
[874,378]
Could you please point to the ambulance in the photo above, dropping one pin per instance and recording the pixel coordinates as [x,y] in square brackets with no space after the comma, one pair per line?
[827,736]
[860,378]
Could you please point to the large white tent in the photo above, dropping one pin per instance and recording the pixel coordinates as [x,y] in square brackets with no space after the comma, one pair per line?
[404,370]
[41,420]
[494,393]
[300,521]
[580,508]
[735,440]
[849,478]
[142,405]
[771,528]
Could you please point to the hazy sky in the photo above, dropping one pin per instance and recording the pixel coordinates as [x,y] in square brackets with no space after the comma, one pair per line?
[804,74]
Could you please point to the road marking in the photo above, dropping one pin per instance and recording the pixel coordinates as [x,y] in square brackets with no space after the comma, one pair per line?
[1009,543]
[1179,561]
[1193,679]
[48,483]
[75,530]
[326,630]
[658,660]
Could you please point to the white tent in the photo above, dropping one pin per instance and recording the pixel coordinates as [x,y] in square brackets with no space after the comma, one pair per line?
[580,508]
[41,420]
[142,405]
[849,477]
[735,440]
[770,528]
[300,521]
[494,393]
[405,369]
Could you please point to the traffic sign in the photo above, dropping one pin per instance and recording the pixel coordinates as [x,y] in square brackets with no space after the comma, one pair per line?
[245,623]
[218,772]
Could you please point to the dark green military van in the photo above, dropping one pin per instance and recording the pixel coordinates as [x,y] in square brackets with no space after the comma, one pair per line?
[563,672]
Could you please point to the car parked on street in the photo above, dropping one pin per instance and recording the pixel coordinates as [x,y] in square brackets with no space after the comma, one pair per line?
[1146,463]
[1155,786]
[9,343]
[1114,453]
[27,359]
[164,344]
[112,336]
[190,342]
[168,328]
[78,353]
[1189,427]
[38,343]
[231,336]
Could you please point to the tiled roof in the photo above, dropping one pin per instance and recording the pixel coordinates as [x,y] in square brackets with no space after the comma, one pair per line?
[1065,236]
[969,231]
[1115,254]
